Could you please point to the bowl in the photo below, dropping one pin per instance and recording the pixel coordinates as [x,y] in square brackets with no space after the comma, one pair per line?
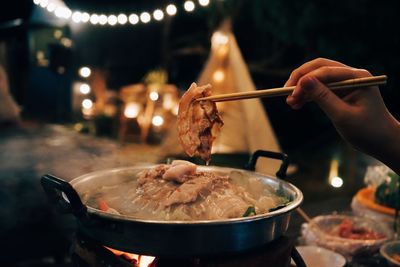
[315,256]
[346,234]
[388,250]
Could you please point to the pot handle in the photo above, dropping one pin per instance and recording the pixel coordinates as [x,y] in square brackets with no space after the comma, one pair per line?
[63,195]
[281,173]
[296,257]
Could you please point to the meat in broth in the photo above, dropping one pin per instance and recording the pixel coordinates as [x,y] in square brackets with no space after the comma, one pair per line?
[179,191]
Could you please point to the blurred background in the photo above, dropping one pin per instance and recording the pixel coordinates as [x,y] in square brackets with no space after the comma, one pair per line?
[43,53]
[95,83]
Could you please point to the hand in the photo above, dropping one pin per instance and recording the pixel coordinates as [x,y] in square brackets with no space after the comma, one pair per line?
[360,116]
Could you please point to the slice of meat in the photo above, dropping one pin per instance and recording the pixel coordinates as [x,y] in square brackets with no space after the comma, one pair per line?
[198,122]
[226,205]
[151,174]
[200,184]
[188,191]
[180,171]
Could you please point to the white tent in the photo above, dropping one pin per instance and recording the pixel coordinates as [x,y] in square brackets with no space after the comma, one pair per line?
[246,124]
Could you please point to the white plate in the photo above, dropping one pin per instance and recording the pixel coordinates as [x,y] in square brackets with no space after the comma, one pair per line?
[315,256]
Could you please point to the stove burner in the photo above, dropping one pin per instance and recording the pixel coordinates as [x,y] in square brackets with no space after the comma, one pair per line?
[88,252]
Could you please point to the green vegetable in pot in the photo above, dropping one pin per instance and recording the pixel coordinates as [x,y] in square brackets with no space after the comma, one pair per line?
[251,211]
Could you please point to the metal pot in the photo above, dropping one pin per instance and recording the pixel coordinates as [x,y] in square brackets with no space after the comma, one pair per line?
[174,238]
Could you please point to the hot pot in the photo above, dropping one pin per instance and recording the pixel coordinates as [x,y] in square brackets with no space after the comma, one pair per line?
[174,238]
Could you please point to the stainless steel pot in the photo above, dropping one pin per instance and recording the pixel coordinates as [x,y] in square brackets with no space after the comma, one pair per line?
[173,238]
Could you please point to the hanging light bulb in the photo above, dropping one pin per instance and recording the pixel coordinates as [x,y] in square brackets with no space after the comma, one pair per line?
[171,9]
[133,19]
[145,17]
[51,7]
[189,6]
[102,19]
[77,17]
[112,20]
[122,19]
[204,2]
[94,19]
[43,3]
[85,17]
[63,12]
[158,14]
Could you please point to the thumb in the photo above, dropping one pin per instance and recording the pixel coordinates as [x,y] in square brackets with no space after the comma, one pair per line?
[330,103]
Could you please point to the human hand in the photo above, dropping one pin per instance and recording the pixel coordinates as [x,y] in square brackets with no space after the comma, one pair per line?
[360,116]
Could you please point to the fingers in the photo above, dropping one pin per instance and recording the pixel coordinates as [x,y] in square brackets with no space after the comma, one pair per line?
[324,74]
[330,103]
[310,66]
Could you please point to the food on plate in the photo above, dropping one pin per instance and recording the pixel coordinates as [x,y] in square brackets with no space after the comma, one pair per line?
[388,192]
[198,122]
[396,257]
[348,229]
[180,191]
[346,234]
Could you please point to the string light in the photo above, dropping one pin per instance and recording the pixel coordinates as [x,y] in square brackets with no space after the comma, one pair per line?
[171,9]
[85,17]
[189,6]
[158,14]
[122,19]
[94,19]
[76,17]
[112,20]
[102,19]
[60,10]
[43,3]
[51,7]
[204,2]
[145,17]
[63,12]
[133,19]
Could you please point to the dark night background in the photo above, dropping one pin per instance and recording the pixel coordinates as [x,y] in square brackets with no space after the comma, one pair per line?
[274,36]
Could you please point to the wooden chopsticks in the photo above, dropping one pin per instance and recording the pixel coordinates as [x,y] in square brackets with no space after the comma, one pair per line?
[346,84]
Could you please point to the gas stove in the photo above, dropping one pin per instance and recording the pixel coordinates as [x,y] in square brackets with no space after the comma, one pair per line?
[88,252]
